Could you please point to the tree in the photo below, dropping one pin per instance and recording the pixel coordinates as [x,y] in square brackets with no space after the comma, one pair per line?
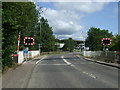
[95,35]
[116,43]
[69,45]
[45,36]
[16,17]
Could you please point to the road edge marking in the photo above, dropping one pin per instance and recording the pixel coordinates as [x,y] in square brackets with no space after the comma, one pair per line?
[41,59]
[100,63]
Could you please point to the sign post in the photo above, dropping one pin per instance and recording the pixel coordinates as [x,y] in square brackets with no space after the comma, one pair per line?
[105,43]
[26,53]
[29,41]
[39,45]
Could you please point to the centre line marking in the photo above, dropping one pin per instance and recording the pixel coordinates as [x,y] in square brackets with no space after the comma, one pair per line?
[65,60]
[91,75]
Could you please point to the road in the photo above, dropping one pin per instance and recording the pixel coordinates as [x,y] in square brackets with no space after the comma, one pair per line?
[65,71]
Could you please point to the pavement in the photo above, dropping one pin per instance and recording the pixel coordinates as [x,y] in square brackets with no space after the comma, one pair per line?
[62,71]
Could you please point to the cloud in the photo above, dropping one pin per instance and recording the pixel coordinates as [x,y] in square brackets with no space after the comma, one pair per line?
[75,36]
[65,18]
[75,0]
[66,28]
[63,22]
[87,7]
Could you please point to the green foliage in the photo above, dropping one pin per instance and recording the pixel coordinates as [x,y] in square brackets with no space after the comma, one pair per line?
[115,43]
[47,38]
[94,38]
[16,17]
[69,45]
[44,36]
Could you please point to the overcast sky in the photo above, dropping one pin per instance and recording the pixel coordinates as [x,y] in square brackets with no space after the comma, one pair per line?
[73,19]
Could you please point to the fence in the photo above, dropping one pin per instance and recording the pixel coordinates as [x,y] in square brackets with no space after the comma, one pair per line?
[108,56]
[22,56]
[33,53]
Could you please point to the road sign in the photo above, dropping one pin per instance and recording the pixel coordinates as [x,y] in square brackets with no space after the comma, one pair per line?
[40,45]
[29,41]
[25,51]
[106,41]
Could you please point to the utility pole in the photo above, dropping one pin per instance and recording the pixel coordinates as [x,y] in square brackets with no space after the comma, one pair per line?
[40,11]
[57,42]
[40,40]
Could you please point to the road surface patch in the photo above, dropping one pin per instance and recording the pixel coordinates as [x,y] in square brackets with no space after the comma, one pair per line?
[101,63]
[41,59]
[65,60]
[54,64]
[89,74]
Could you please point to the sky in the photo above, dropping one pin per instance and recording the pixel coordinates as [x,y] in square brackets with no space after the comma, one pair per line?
[74,19]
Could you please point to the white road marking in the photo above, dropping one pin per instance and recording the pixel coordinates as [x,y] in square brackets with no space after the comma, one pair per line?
[65,60]
[74,67]
[40,60]
[92,62]
[24,62]
[89,74]
[101,64]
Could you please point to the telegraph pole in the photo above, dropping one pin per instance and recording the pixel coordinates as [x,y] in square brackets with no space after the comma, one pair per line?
[40,39]
[40,11]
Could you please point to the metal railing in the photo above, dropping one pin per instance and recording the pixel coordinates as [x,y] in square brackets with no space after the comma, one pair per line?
[108,56]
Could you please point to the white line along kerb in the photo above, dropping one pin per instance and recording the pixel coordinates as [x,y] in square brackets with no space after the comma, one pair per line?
[65,60]
[40,60]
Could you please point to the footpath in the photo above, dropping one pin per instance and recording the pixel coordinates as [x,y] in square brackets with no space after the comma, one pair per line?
[19,77]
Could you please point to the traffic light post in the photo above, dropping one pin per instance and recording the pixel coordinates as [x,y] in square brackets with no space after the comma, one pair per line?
[39,45]
[29,41]
[105,43]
